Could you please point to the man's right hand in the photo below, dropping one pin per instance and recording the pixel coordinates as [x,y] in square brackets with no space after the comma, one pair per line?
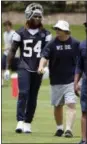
[77,89]
[7,75]
[41,70]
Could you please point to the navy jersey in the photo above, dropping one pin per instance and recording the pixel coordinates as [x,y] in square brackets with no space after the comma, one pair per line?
[62,60]
[31,43]
[82,59]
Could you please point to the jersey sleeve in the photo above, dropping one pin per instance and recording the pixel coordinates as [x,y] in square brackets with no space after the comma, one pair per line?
[16,37]
[46,51]
[48,36]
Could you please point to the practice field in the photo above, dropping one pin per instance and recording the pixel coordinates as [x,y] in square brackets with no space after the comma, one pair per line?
[43,125]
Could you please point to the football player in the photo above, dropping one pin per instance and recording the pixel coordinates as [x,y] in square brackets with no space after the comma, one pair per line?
[61,52]
[81,71]
[31,39]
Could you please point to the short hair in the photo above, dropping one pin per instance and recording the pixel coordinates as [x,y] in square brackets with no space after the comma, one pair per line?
[7,23]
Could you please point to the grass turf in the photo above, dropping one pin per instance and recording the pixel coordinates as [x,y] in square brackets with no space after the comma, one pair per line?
[43,126]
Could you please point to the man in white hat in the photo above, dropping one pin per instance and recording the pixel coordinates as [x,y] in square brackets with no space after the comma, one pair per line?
[61,52]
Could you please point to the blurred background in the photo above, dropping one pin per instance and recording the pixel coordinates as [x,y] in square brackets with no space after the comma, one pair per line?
[72,11]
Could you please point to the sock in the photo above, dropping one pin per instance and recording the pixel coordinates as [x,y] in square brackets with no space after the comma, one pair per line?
[70,118]
[59,127]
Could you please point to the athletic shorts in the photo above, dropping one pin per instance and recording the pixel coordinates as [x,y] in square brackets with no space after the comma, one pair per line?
[83,98]
[62,94]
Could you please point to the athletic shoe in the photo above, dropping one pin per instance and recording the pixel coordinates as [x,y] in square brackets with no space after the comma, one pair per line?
[59,132]
[19,128]
[27,128]
[68,134]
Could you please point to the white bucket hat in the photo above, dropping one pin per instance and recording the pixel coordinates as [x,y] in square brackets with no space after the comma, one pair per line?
[63,25]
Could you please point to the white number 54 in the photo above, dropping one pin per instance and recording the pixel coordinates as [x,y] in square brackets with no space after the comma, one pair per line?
[28,51]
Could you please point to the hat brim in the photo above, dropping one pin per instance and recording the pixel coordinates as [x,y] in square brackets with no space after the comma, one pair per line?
[55,28]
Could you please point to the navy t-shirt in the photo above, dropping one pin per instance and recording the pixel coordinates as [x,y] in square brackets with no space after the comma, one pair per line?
[82,59]
[31,46]
[62,57]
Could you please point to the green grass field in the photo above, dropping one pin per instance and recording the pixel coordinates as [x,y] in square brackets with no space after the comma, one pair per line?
[43,125]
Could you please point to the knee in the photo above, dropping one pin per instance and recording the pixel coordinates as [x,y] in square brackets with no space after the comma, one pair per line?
[71,108]
[23,93]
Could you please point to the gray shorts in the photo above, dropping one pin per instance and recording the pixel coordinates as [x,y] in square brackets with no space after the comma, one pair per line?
[62,94]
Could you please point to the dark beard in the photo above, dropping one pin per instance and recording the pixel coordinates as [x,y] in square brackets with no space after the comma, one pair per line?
[32,25]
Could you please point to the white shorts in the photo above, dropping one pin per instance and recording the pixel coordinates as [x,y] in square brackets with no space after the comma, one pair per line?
[63,94]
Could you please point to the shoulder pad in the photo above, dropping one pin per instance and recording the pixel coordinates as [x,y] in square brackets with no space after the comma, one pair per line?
[19,31]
